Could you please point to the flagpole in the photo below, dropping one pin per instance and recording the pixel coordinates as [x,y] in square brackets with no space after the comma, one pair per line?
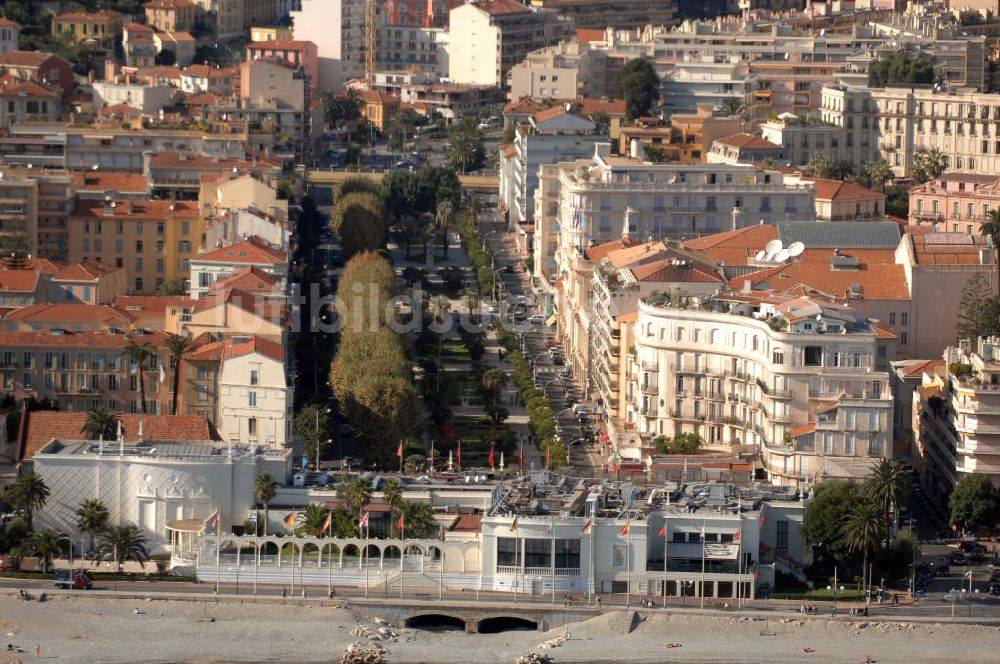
[517,561]
[666,560]
[593,581]
[702,565]
[364,556]
[628,556]
[552,532]
[402,552]
[218,543]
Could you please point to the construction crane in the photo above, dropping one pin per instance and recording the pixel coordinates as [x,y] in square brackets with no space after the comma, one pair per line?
[371,40]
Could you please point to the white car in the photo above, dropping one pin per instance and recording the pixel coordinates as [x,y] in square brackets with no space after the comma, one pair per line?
[537,319]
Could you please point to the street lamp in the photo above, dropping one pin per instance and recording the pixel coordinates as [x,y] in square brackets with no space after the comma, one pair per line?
[836,591]
[329,440]
[237,571]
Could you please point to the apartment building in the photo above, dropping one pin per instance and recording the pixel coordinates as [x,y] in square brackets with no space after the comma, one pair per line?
[955,417]
[601,14]
[67,316]
[39,67]
[795,379]
[743,148]
[139,44]
[685,139]
[219,263]
[297,53]
[243,190]
[565,70]
[148,99]
[179,175]
[227,19]
[10,35]
[152,240]
[171,15]
[242,385]
[607,197]
[551,136]
[856,113]
[89,26]
[231,312]
[83,370]
[955,202]
[413,48]
[688,85]
[35,205]
[122,150]
[613,110]
[802,138]
[450,101]
[21,288]
[88,282]
[488,38]
[337,27]
[27,101]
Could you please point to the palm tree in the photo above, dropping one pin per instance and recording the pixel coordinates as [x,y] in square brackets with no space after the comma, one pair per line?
[494,381]
[443,218]
[731,106]
[46,545]
[934,162]
[878,173]
[92,518]
[124,543]
[179,347]
[312,521]
[344,524]
[392,492]
[265,488]
[418,520]
[863,529]
[138,354]
[991,229]
[100,424]
[355,493]
[472,299]
[888,485]
[29,493]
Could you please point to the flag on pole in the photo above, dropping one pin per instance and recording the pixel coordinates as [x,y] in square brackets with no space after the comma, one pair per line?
[520,461]
[290,519]
[968,574]
[432,455]
[703,533]
[513,525]
[627,528]
[492,464]
[327,522]
[739,534]
[363,521]
[663,531]
[399,525]
[399,451]
[218,520]
[587,527]
[459,455]
[552,528]
[253,518]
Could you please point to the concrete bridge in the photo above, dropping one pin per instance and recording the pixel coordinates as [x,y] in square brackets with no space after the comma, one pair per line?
[476,617]
[319,177]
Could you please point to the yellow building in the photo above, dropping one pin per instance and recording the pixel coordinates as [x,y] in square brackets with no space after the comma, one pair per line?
[89,25]
[152,240]
[263,34]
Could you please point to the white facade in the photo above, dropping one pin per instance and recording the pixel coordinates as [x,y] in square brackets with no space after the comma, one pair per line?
[152,484]
[145,98]
[337,27]
[255,401]
[688,85]
[10,34]
[231,226]
[204,273]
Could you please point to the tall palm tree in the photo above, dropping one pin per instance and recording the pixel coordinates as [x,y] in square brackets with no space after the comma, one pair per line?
[392,492]
[124,543]
[29,493]
[878,173]
[101,423]
[934,162]
[991,228]
[863,529]
[356,493]
[46,545]
[494,381]
[265,488]
[92,518]
[311,523]
[442,218]
[179,347]
[888,485]
[139,354]
[732,106]
[472,299]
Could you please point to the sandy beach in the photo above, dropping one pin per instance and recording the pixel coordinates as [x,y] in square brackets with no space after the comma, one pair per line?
[87,630]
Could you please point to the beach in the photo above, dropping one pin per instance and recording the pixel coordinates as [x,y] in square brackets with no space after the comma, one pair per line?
[91,630]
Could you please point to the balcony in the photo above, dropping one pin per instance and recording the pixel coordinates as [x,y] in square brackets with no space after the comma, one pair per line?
[649,388]
[774,393]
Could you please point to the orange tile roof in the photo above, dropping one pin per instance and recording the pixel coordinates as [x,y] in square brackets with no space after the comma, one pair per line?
[599,251]
[247,278]
[878,280]
[152,303]
[630,317]
[748,141]
[42,426]
[94,181]
[140,209]
[933,248]
[260,306]
[466,523]
[837,190]
[202,162]
[279,45]
[88,270]
[665,271]
[27,89]
[501,7]
[68,312]
[7,23]
[253,250]
[807,428]
[26,58]
[169,4]
[100,15]
[43,265]
[587,105]
[587,35]
[884,331]
[734,247]
[920,368]
[18,281]
[234,347]
[78,339]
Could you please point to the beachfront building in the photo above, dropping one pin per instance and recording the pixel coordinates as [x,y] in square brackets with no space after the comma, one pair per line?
[955,202]
[956,417]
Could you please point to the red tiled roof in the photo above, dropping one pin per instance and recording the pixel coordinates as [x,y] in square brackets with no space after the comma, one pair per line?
[467,523]
[254,251]
[94,181]
[25,58]
[279,45]
[587,35]
[837,190]
[920,368]
[27,89]
[587,105]
[18,281]
[248,278]
[42,426]
[798,431]
[748,142]
[553,112]
[879,280]
[7,23]
[236,347]
[501,7]
[152,303]
[79,339]
[169,4]
[88,270]
[100,15]
[136,209]
[599,251]
[666,271]
[71,313]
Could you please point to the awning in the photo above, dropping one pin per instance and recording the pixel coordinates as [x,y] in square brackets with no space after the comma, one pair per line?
[551,320]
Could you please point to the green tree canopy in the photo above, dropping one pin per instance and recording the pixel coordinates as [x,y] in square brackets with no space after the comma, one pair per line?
[466,150]
[92,517]
[974,503]
[312,426]
[639,85]
[123,543]
[899,68]
[823,520]
[29,493]
[358,221]
[978,310]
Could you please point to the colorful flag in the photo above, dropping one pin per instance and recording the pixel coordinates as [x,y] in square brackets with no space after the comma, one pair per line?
[460,455]
[253,518]
[968,574]
[399,450]
[587,527]
[627,528]
[290,519]
[552,528]
[521,457]
[491,456]
[513,525]
[400,524]
[363,521]
[739,534]
[760,521]
[663,531]
[327,522]
[163,374]
[217,520]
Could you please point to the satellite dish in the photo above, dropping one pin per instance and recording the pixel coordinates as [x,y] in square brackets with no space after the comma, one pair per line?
[796,249]
[773,247]
[781,256]
[760,255]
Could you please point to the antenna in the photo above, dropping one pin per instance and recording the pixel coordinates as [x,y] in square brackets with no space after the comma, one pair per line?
[796,249]
[781,256]
[772,247]
[759,256]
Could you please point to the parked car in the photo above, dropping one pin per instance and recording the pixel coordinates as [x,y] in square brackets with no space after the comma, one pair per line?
[72,579]
[537,319]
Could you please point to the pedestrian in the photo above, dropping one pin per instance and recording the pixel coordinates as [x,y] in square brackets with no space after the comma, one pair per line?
[598,602]
[38,650]
[303,593]
[284,591]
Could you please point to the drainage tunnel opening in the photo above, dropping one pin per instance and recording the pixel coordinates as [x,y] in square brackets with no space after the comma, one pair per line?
[506,624]
[436,623]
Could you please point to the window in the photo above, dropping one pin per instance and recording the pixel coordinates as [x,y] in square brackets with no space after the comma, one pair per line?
[203,393]
[507,550]
[184,246]
[902,318]
[139,228]
[139,265]
[138,246]
[252,426]
[892,318]
[873,446]
[255,377]
[252,399]
[812,356]
[619,556]
[119,246]
[778,357]
[159,228]
[138,283]
[827,442]
[902,338]
[781,536]
[537,552]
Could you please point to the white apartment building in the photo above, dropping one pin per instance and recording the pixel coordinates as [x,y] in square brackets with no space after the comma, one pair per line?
[690,84]
[337,27]
[608,197]
[220,262]
[142,97]
[566,70]
[155,485]
[795,380]
[956,417]
[491,36]
[413,48]
[802,138]
[255,393]
[10,34]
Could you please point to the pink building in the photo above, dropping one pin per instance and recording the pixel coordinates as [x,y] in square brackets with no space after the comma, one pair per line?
[418,13]
[299,53]
[955,202]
